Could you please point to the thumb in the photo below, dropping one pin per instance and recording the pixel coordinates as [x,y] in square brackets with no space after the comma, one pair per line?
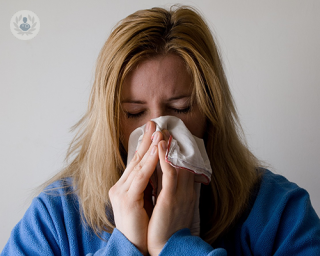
[169,173]
[195,227]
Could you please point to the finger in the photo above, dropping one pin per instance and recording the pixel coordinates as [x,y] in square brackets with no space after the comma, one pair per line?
[142,165]
[169,173]
[195,227]
[185,179]
[141,176]
[197,189]
[145,143]
[141,151]
[166,134]
[128,177]
[156,138]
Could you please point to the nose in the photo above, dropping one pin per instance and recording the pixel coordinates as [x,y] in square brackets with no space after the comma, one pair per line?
[157,111]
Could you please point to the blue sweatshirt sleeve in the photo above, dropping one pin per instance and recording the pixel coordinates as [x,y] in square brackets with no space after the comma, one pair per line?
[183,243]
[52,225]
[118,244]
[282,221]
[34,235]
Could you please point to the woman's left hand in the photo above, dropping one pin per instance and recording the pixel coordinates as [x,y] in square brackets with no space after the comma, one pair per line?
[174,209]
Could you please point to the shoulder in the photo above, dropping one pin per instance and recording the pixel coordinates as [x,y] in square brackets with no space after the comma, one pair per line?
[58,203]
[277,195]
[282,216]
[59,187]
[58,197]
[53,225]
[275,188]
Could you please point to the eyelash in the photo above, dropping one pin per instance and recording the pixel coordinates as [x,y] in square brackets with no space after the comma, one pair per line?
[178,111]
[182,111]
[129,115]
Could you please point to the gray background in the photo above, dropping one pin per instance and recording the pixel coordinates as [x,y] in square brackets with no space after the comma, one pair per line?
[271,54]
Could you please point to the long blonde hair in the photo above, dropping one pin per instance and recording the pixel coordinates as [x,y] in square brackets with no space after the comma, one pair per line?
[97,156]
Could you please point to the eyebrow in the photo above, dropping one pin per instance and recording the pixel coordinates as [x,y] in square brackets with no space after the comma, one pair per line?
[170,99]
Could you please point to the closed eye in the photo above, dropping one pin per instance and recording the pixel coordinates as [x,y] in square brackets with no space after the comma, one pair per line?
[135,115]
[182,111]
[176,110]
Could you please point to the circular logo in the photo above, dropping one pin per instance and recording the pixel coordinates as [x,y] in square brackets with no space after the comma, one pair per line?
[25,25]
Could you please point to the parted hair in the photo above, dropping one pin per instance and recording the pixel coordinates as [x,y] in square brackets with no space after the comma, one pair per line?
[96,158]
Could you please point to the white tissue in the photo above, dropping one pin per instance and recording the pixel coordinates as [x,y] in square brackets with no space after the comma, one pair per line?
[184,151]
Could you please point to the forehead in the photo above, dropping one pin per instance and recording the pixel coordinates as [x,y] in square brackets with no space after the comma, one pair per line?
[160,76]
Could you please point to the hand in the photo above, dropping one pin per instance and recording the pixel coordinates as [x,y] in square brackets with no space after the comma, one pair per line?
[195,227]
[175,205]
[127,195]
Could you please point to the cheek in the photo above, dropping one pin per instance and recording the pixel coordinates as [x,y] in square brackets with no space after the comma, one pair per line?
[125,131]
[196,122]
[196,126]
[127,126]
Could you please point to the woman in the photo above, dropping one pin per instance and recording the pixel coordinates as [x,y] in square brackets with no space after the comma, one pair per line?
[163,63]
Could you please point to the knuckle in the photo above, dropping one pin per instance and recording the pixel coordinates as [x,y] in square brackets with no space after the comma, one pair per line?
[136,158]
[137,168]
[139,175]
[172,173]
[157,136]
[112,192]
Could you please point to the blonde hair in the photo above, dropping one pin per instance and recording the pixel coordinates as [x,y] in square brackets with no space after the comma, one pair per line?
[97,154]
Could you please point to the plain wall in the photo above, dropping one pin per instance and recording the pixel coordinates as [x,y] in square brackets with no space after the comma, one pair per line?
[271,55]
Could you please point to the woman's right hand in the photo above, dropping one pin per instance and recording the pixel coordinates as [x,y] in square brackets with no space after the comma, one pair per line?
[127,195]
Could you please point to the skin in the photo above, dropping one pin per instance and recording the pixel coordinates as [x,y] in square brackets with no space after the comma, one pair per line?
[156,87]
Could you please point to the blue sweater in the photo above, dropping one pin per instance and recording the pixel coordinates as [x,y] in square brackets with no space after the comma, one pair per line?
[281,221]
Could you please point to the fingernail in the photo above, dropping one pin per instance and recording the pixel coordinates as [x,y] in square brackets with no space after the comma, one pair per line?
[166,133]
[155,137]
[153,150]
[147,127]
[152,136]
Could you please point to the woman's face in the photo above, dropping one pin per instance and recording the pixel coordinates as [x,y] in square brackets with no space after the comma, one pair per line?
[157,87]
